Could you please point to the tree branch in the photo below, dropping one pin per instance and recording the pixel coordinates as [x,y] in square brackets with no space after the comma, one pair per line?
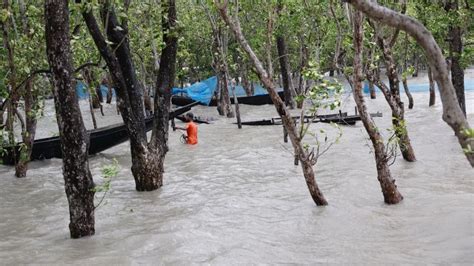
[452,113]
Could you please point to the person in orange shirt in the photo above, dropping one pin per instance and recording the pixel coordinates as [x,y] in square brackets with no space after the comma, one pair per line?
[191,129]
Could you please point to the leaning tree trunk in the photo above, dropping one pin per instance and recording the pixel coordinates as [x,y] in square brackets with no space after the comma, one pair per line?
[455,52]
[74,139]
[389,189]
[282,110]
[452,113]
[432,88]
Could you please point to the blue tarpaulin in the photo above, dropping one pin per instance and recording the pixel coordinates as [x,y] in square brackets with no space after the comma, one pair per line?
[201,91]
[204,90]
[83,93]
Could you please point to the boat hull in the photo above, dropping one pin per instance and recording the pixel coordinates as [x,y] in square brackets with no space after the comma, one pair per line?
[99,140]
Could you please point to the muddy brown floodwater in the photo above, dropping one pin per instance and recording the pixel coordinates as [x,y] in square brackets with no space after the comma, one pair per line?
[237,198]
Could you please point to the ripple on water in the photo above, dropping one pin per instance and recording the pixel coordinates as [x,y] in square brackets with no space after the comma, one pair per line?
[236,197]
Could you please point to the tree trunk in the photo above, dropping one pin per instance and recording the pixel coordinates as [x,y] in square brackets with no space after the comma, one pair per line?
[13,95]
[237,109]
[243,75]
[408,93]
[373,95]
[28,136]
[269,43]
[285,69]
[393,99]
[452,113]
[164,83]
[404,75]
[74,139]
[416,60]
[339,39]
[288,89]
[100,97]
[389,189]
[432,88]
[455,52]
[147,102]
[89,83]
[282,110]
[91,109]
[304,57]
[109,83]
[146,167]
[246,84]
[223,100]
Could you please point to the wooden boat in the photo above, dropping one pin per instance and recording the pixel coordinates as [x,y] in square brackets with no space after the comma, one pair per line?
[250,100]
[100,139]
[339,118]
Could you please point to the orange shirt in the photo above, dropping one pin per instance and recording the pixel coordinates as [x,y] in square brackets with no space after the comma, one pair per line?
[192,132]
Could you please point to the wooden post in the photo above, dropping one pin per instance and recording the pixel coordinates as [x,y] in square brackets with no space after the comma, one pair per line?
[236,103]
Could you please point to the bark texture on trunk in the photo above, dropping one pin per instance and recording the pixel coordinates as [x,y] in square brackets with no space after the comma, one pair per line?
[452,113]
[166,75]
[389,189]
[74,139]
[147,158]
[283,112]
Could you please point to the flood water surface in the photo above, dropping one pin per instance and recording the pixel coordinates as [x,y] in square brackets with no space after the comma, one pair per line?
[237,198]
